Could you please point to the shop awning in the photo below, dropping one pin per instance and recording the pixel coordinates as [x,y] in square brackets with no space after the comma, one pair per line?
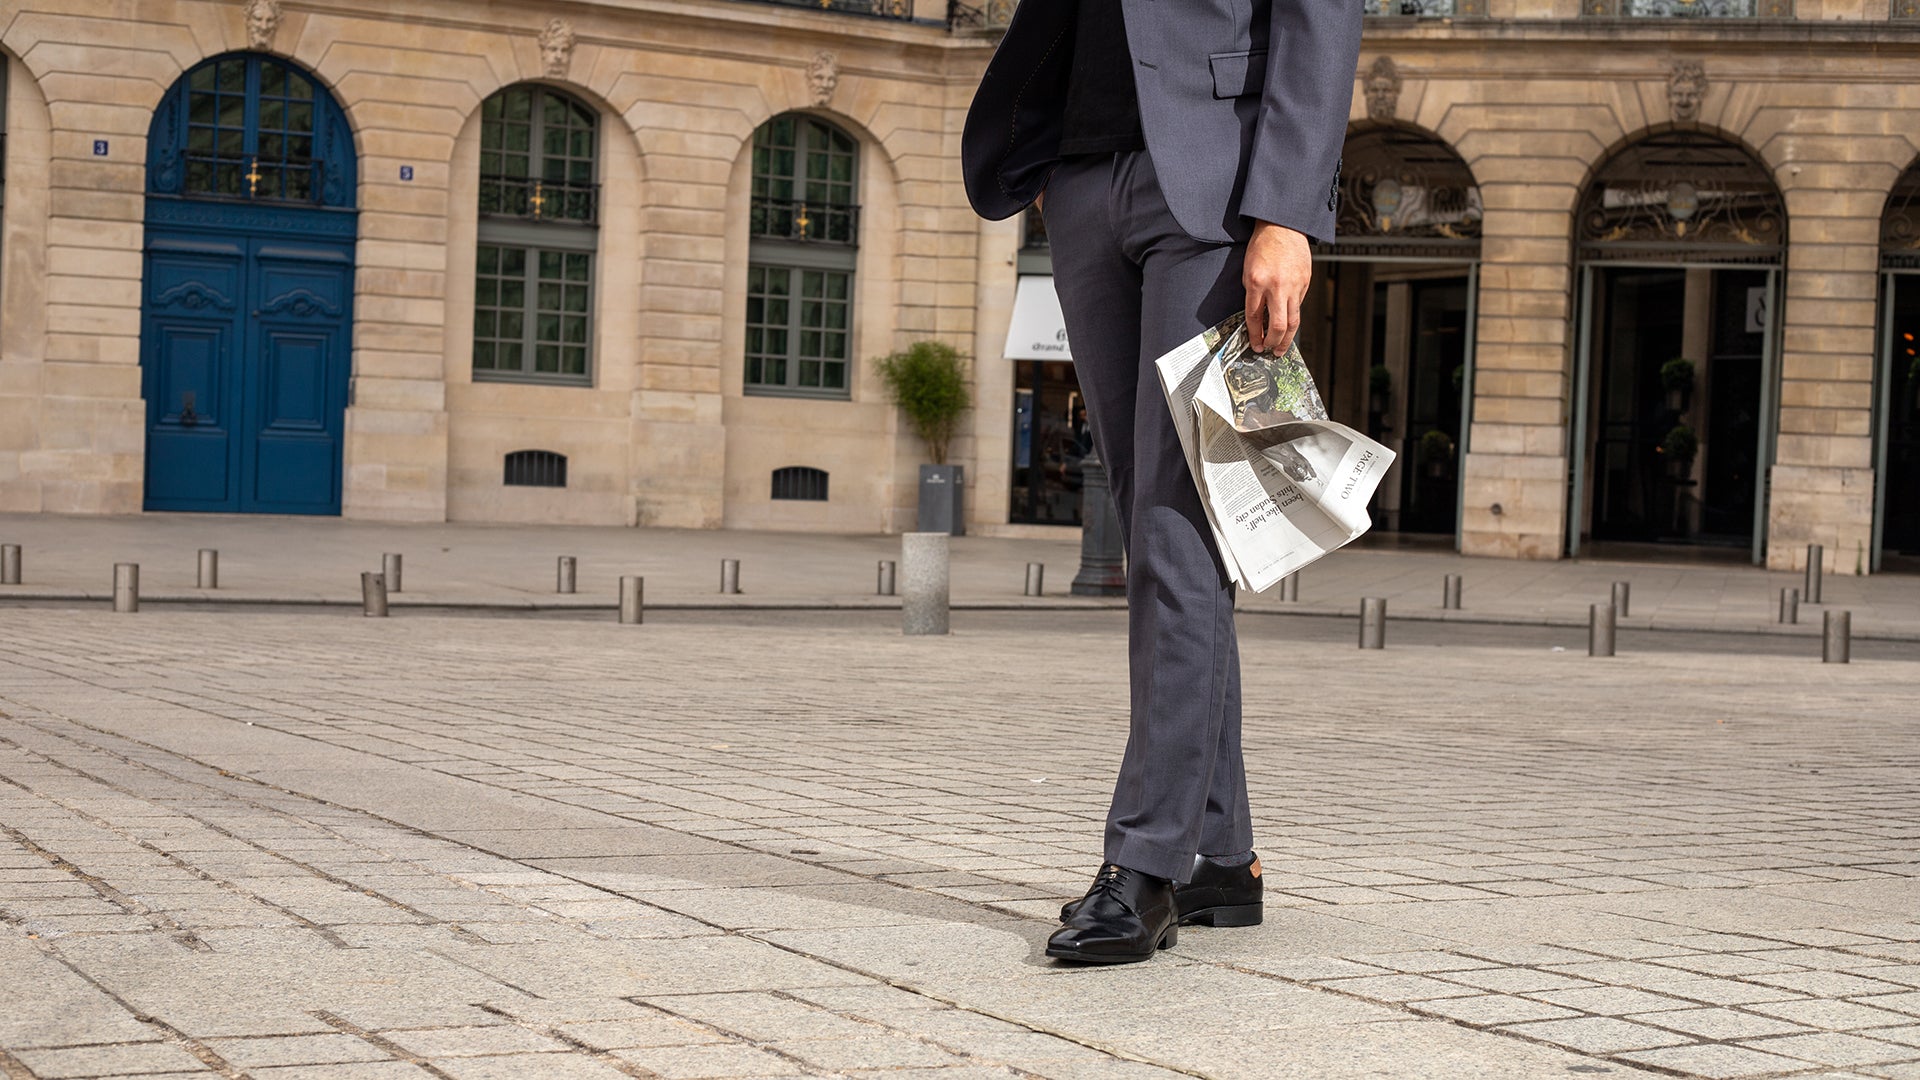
[1037,331]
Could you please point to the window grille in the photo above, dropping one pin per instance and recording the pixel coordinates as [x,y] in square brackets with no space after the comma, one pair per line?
[536,468]
[800,482]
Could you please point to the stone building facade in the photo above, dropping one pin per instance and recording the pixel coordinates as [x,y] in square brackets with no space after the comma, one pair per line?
[629,263]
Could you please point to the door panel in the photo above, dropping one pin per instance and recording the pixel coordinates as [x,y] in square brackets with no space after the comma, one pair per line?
[193,318]
[296,452]
[299,371]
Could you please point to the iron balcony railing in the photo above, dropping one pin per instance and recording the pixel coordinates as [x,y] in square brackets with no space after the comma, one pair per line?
[797,219]
[992,15]
[1690,9]
[534,199]
[879,9]
[1423,9]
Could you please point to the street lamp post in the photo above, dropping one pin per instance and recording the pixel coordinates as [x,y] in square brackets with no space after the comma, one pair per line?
[1102,557]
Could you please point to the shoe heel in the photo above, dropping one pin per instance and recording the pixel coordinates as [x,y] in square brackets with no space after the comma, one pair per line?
[1171,938]
[1234,915]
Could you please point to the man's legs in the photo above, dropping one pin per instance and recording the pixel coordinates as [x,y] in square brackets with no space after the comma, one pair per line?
[1132,286]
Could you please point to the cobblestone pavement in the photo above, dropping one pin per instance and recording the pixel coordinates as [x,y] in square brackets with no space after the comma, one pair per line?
[319,560]
[732,845]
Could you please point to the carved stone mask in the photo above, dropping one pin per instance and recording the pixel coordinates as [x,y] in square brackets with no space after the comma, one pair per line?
[263,19]
[823,77]
[1686,86]
[556,48]
[1383,90]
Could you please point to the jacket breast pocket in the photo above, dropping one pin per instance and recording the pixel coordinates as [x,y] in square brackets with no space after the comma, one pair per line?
[1238,73]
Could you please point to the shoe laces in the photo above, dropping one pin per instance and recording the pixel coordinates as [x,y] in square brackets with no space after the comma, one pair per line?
[1108,881]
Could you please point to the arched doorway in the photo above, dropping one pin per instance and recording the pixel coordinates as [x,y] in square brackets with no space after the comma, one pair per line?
[1387,327]
[247,310]
[1679,239]
[1896,517]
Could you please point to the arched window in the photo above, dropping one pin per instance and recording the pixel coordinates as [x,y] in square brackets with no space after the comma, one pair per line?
[251,128]
[804,229]
[539,212]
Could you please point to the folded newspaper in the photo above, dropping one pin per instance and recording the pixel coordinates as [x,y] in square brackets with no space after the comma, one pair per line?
[1282,484]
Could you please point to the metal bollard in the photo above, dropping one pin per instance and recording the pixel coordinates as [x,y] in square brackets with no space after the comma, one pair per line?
[1290,586]
[1816,569]
[923,595]
[9,564]
[1622,592]
[209,568]
[885,585]
[373,595]
[126,587]
[632,592]
[1373,622]
[1036,578]
[1836,637]
[390,569]
[563,574]
[1451,600]
[1600,631]
[730,576]
[1789,605]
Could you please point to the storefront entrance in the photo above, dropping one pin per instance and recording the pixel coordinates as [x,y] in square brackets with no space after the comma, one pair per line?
[1676,349]
[1387,327]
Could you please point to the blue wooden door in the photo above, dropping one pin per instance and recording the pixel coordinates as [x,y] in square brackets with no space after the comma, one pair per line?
[247,326]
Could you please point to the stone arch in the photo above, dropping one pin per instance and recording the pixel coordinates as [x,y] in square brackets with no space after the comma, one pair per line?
[1405,189]
[1721,196]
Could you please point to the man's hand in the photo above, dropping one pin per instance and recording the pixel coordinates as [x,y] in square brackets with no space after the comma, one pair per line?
[1278,268]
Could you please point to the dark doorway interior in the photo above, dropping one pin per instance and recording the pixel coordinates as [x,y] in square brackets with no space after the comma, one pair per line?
[1436,370]
[1900,522]
[1676,429]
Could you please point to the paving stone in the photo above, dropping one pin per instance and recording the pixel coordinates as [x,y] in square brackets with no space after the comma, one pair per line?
[131,1059]
[1835,1048]
[1610,1000]
[712,1060]
[296,1050]
[440,1043]
[1719,1062]
[1600,1035]
[1490,1009]
[1831,1015]
[1719,1023]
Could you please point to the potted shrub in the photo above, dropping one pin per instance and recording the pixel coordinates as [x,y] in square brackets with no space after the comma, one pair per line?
[928,381]
[1676,377]
[1436,451]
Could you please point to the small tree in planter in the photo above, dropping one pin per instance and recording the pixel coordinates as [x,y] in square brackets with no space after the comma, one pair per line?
[928,381]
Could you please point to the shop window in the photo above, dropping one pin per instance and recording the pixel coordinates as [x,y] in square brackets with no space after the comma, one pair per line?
[804,231]
[538,236]
[1050,440]
[801,483]
[536,468]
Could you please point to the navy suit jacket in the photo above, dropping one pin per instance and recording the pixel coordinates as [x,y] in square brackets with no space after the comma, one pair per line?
[1243,103]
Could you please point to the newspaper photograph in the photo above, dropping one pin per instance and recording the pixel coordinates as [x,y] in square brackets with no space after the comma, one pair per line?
[1282,483]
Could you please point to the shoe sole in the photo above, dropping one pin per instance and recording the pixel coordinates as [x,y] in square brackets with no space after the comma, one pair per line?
[1230,915]
[1223,916]
[1167,941]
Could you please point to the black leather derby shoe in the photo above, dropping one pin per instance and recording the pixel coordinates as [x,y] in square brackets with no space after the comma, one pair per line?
[1218,895]
[1125,918]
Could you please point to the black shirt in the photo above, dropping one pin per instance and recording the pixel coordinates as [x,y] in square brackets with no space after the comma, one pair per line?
[1102,114]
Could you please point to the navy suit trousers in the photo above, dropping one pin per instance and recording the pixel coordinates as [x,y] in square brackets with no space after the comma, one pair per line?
[1133,284]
